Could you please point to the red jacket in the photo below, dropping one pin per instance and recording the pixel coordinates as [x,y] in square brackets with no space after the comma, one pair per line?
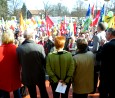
[9,68]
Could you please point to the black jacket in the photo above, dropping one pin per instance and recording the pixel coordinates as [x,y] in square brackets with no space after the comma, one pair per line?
[107,68]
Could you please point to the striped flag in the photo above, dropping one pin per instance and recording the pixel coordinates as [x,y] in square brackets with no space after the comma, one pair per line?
[95,21]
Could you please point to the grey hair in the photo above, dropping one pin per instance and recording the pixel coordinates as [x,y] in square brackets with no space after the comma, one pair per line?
[28,33]
[111,31]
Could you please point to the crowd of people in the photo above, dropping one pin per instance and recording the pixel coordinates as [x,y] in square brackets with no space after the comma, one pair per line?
[80,61]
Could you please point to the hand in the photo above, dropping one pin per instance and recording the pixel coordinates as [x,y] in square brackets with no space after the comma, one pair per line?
[102,42]
[63,83]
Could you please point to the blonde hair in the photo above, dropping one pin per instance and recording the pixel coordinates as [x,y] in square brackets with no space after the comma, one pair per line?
[8,37]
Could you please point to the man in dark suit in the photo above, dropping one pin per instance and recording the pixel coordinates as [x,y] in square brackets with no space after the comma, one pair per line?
[107,71]
[32,59]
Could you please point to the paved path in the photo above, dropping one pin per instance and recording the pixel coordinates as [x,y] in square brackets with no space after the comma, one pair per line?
[50,93]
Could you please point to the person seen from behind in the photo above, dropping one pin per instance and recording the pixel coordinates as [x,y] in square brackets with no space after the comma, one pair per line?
[83,78]
[60,67]
[9,67]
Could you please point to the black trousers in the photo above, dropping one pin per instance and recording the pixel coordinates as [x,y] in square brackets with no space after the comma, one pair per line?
[106,92]
[56,94]
[4,94]
[80,95]
[42,89]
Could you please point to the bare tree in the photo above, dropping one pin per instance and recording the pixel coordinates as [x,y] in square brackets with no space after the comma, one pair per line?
[60,10]
[24,11]
[79,10]
[112,6]
[14,7]
[55,10]
[3,9]
[47,8]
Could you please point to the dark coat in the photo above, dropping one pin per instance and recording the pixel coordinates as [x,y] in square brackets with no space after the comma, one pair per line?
[107,70]
[32,59]
[48,46]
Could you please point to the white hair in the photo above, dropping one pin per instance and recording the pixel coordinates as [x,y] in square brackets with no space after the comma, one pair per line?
[28,33]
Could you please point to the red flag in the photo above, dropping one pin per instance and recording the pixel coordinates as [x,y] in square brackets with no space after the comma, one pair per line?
[49,24]
[92,11]
[75,25]
[47,27]
[95,21]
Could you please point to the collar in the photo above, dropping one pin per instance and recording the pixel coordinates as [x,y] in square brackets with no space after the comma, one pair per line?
[27,41]
[80,52]
[112,39]
[101,31]
[60,52]
[7,44]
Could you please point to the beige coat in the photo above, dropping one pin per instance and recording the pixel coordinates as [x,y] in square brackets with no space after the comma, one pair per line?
[83,81]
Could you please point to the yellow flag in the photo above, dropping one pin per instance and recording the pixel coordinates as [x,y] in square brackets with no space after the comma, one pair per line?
[114,23]
[107,19]
[21,22]
[111,23]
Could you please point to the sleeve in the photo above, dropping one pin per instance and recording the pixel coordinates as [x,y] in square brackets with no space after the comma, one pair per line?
[70,70]
[18,55]
[103,52]
[75,66]
[43,51]
[43,57]
[95,44]
[49,71]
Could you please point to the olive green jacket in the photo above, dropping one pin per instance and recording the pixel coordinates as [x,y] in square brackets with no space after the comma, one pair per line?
[83,78]
[60,66]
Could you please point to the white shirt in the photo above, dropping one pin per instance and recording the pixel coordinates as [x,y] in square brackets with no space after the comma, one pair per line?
[102,36]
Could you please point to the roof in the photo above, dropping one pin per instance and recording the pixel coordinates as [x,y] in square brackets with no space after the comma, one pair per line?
[36,12]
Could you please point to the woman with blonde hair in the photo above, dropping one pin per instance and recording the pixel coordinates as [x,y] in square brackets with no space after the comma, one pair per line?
[9,67]
[60,67]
